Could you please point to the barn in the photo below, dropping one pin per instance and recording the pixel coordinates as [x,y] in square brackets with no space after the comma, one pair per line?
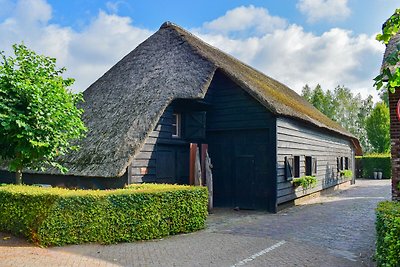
[175,90]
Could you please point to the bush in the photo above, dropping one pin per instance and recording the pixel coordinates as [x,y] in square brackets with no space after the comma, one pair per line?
[388,234]
[346,173]
[55,216]
[305,181]
[376,162]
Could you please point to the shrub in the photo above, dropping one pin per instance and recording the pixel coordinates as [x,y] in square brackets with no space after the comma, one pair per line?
[305,182]
[388,234]
[346,173]
[375,162]
[55,216]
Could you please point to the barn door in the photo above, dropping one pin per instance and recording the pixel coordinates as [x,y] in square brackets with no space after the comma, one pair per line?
[245,182]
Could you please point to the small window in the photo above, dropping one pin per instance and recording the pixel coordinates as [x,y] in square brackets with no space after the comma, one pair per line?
[346,163]
[314,166]
[289,168]
[309,167]
[340,164]
[296,166]
[176,125]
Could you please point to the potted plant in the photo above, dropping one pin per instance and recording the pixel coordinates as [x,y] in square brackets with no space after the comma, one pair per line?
[305,182]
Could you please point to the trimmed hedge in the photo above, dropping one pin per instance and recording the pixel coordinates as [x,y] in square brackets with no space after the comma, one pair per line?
[374,162]
[56,216]
[388,234]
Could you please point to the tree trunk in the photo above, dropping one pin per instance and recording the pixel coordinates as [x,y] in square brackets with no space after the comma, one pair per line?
[18,176]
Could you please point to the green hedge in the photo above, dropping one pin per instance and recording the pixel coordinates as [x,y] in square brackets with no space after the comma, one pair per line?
[388,234]
[374,162]
[55,216]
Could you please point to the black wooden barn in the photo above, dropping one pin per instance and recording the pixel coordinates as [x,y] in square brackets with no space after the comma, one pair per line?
[173,90]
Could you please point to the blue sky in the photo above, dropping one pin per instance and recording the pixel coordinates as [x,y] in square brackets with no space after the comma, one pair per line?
[330,42]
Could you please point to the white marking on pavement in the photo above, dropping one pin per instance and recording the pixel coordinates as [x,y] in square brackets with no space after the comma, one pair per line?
[258,254]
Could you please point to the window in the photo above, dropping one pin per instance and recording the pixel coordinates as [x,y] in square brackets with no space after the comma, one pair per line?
[314,166]
[296,166]
[176,125]
[340,163]
[346,163]
[289,168]
[309,169]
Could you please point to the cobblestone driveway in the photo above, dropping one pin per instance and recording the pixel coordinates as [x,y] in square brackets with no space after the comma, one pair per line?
[334,230]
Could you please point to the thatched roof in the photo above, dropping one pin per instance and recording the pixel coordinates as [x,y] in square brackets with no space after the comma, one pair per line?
[123,106]
[390,48]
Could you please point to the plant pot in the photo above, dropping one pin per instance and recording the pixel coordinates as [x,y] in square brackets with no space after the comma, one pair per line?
[375,175]
[379,175]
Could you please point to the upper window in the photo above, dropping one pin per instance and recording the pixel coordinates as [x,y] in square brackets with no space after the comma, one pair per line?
[176,125]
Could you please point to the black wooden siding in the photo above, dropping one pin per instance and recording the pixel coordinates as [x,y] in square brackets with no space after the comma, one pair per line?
[155,152]
[297,139]
[241,133]
[233,108]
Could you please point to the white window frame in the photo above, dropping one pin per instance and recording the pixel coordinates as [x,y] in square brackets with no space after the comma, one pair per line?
[177,124]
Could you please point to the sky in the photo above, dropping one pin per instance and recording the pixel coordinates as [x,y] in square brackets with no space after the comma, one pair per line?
[297,42]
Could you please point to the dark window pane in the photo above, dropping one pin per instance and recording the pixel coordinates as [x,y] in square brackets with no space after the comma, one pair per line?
[296,166]
[308,166]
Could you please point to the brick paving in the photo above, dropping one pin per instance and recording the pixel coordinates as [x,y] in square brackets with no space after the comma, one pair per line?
[334,230]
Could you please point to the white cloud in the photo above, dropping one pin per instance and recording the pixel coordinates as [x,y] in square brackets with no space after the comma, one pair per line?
[249,19]
[287,52]
[296,57]
[86,54]
[114,6]
[332,10]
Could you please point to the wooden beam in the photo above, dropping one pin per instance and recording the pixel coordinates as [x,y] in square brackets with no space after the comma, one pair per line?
[203,151]
[192,162]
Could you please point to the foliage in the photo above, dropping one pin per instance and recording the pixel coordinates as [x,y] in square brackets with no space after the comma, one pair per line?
[38,115]
[305,182]
[55,216]
[378,128]
[342,106]
[376,162]
[390,79]
[388,233]
[346,173]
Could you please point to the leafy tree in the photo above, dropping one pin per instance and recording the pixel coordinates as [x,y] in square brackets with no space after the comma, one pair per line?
[342,106]
[38,114]
[389,78]
[384,95]
[378,128]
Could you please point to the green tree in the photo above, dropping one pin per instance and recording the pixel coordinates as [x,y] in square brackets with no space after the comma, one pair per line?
[378,128]
[389,78]
[342,106]
[38,114]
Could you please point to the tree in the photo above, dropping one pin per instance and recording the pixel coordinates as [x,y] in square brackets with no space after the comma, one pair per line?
[389,78]
[340,105]
[38,114]
[378,128]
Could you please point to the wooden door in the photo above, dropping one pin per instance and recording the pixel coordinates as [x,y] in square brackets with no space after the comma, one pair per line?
[245,182]
[242,168]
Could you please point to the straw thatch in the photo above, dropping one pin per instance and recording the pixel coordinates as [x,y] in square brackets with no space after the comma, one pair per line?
[390,48]
[123,106]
